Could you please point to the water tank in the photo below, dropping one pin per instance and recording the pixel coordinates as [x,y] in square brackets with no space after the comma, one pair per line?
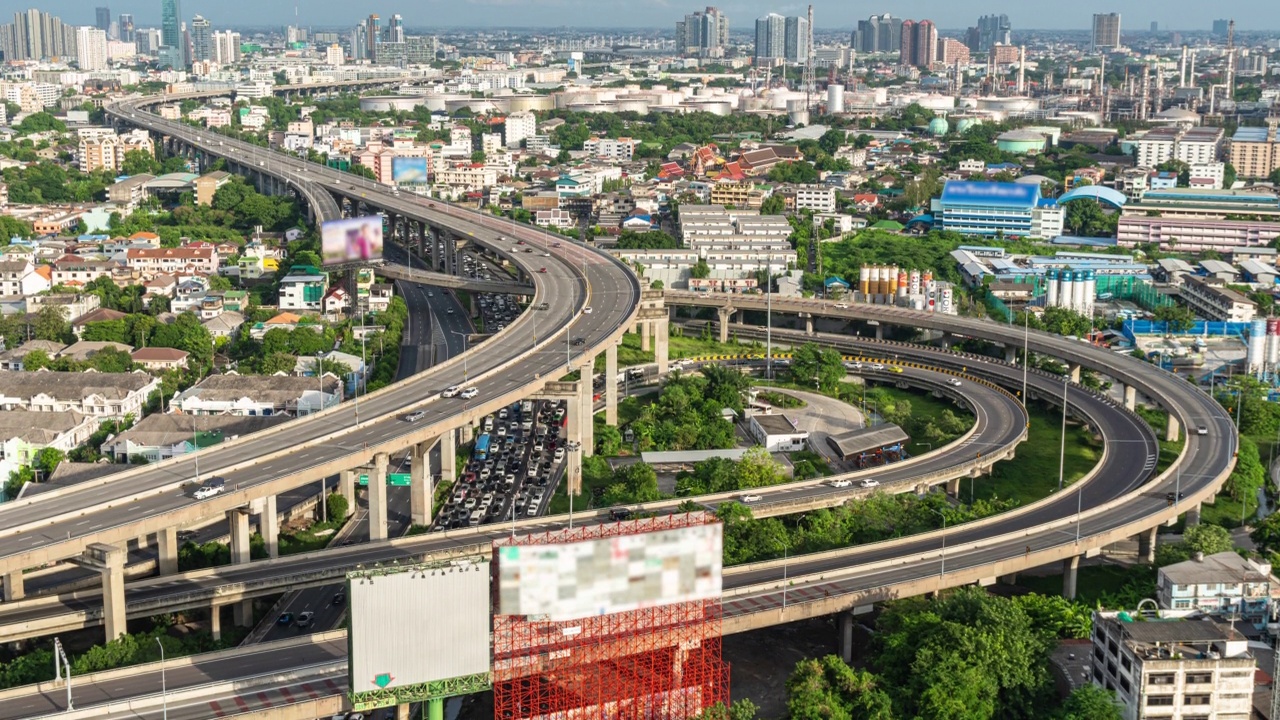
[902,283]
[835,99]
[914,283]
[1273,341]
[864,281]
[939,127]
[1051,287]
[1090,292]
[893,281]
[1256,353]
[947,302]
[1082,284]
[1066,288]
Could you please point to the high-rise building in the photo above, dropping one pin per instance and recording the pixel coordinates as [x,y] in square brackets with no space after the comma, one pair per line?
[878,34]
[1220,27]
[797,48]
[395,29]
[990,30]
[371,41]
[333,55]
[360,41]
[171,23]
[703,33]
[1106,31]
[125,28]
[771,37]
[919,43]
[952,51]
[148,41]
[37,35]
[226,47]
[201,39]
[102,18]
[91,48]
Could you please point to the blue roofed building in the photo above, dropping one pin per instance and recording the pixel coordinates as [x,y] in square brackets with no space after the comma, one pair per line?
[987,209]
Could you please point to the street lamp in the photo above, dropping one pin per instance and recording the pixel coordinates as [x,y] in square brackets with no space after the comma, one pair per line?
[784,572]
[464,354]
[1026,344]
[1062,450]
[942,570]
[164,695]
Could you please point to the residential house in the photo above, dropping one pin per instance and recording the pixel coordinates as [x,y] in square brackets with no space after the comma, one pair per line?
[174,260]
[554,218]
[104,396]
[356,378]
[1222,583]
[225,325]
[336,302]
[379,298]
[161,436]
[252,395]
[100,315]
[12,359]
[23,434]
[161,358]
[85,349]
[18,277]
[303,288]
[74,271]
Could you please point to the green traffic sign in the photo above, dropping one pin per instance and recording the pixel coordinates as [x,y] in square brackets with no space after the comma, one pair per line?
[399,479]
[382,680]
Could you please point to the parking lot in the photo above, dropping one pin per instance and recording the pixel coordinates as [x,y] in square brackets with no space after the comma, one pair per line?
[517,461]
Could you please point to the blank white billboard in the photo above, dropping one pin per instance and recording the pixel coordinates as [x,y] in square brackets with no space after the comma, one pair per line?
[419,626]
[610,575]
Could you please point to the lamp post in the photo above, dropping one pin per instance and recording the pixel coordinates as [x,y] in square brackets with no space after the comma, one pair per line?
[942,570]
[1062,450]
[464,354]
[1026,355]
[164,695]
[784,572]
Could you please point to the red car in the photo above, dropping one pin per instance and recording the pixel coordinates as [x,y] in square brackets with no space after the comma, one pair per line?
[542,270]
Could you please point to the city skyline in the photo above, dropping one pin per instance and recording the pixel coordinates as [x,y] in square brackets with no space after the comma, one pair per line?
[1177,15]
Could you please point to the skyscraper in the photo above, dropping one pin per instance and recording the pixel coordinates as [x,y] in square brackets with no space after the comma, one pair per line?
[797,49]
[990,30]
[127,33]
[705,34]
[360,41]
[878,34]
[171,23]
[226,47]
[771,37]
[395,29]
[36,35]
[919,43]
[201,39]
[91,48]
[371,42]
[102,17]
[1106,31]
[1220,27]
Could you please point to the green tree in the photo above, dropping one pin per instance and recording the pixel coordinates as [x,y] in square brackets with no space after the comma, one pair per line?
[798,172]
[819,366]
[1266,534]
[336,506]
[700,270]
[51,324]
[635,483]
[828,689]
[46,460]
[186,333]
[1090,702]
[138,162]
[11,227]
[651,240]
[608,440]
[1179,318]
[773,205]
[40,122]
[757,469]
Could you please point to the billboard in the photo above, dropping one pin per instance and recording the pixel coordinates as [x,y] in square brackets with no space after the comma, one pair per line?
[353,240]
[568,581]
[416,625]
[406,170]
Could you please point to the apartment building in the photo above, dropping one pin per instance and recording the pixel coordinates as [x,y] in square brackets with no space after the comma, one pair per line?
[1209,299]
[1220,583]
[620,150]
[303,289]
[1255,151]
[19,278]
[736,194]
[1175,665]
[818,198]
[106,151]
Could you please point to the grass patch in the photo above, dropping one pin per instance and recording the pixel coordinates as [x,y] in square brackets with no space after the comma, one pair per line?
[683,346]
[596,476]
[923,405]
[629,354]
[780,400]
[1033,473]
[307,540]
[1093,582]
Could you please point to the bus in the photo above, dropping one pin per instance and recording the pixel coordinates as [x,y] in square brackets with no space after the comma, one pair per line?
[482,447]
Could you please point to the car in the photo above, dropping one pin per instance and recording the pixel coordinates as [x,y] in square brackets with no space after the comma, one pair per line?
[954,382]
[842,306]
[586,310]
[877,367]
[579,341]
[519,242]
[305,619]
[542,270]
[452,391]
[1202,430]
[339,597]
[431,294]
[1172,496]
[841,483]
[895,369]
[211,487]
[869,483]
[555,244]
[285,619]
[415,416]
[185,536]
[546,254]
[853,366]
[750,498]
[450,311]
[469,393]
[619,513]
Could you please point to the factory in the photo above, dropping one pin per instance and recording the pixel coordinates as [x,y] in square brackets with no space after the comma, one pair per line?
[891,285]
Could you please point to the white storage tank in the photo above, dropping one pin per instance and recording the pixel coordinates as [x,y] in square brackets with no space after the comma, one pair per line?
[1090,292]
[835,99]
[1066,288]
[1051,287]
[915,283]
[1256,353]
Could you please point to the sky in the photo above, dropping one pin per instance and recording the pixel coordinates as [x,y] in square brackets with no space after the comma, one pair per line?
[1137,14]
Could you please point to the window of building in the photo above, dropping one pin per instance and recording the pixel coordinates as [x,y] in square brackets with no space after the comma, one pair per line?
[1196,678]
[1162,679]
[1162,700]
[1195,699]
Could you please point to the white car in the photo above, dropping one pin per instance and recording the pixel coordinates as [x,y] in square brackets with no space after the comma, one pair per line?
[469,393]
[210,488]
[869,483]
[878,367]
[586,310]
[415,416]
[1202,430]
[954,381]
[853,366]
[750,498]
[842,306]
[451,391]
[841,483]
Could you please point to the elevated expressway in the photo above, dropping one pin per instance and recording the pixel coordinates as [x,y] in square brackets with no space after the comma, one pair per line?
[518,362]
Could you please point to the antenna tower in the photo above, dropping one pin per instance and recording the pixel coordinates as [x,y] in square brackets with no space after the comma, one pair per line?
[808,81]
[1231,60]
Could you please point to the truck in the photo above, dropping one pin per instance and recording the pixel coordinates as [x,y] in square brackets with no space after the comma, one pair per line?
[482,447]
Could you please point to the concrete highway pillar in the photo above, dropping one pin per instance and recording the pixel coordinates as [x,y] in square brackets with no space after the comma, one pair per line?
[1010,579]
[448,457]
[1074,370]
[846,636]
[1172,430]
[808,324]
[14,587]
[725,314]
[1147,545]
[238,522]
[269,526]
[402,711]
[378,498]
[644,336]
[662,346]
[113,603]
[611,385]
[1010,354]
[1193,515]
[953,487]
[467,432]
[347,488]
[879,332]
[1070,566]
[420,488]
[1130,396]
[167,550]
[587,407]
[215,621]
[573,434]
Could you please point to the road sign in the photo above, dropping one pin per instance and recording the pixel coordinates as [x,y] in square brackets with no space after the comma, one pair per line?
[395,479]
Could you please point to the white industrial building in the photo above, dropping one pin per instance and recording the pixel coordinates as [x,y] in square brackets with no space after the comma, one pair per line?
[777,433]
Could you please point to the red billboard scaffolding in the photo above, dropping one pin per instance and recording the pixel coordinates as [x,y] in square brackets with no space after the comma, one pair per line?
[654,663]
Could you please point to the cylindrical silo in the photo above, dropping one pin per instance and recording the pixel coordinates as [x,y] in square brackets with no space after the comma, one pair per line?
[1273,341]
[1051,287]
[903,283]
[864,281]
[947,303]
[915,283]
[893,281]
[835,99]
[1256,353]
[1079,303]
[1090,292]
[1066,288]
[882,282]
